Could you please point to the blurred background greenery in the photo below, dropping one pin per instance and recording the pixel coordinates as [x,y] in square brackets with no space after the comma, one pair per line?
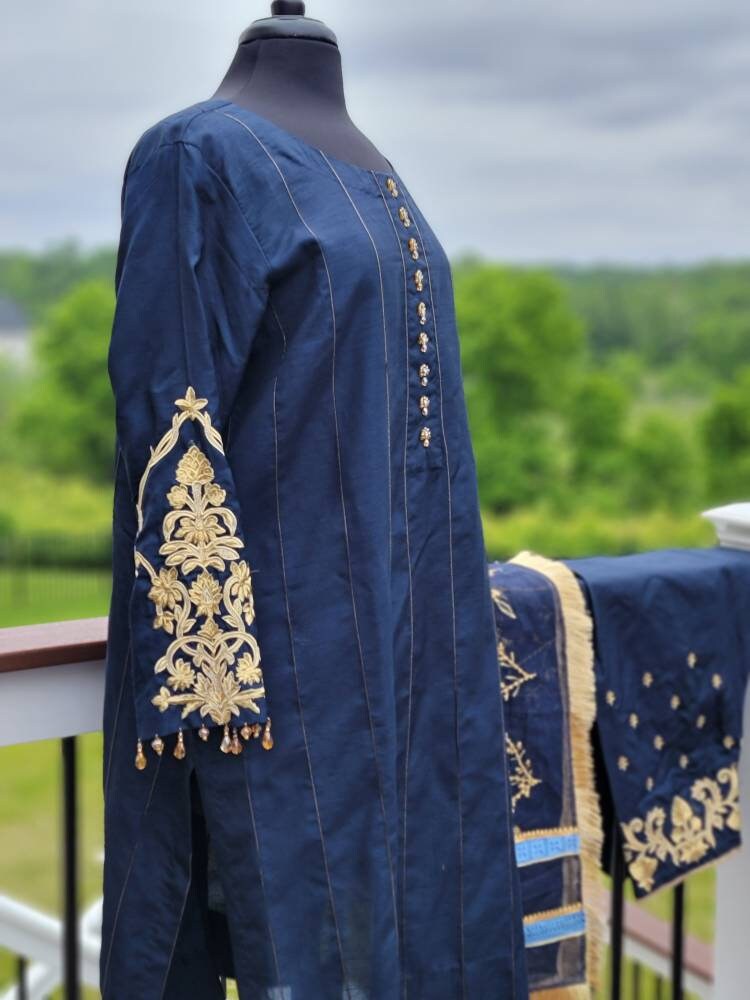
[608,406]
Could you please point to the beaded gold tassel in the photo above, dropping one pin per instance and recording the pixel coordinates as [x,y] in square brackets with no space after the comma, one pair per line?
[267,738]
[230,742]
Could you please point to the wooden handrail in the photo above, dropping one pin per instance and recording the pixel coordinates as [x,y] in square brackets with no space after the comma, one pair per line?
[28,646]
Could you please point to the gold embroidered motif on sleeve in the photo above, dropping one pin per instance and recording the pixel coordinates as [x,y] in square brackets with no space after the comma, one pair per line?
[689,833]
[212,665]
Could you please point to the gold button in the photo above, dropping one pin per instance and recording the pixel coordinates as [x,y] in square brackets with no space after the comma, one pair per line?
[419,280]
[424,371]
[424,436]
[404,216]
[422,312]
[423,340]
[391,185]
[413,248]
[424,405]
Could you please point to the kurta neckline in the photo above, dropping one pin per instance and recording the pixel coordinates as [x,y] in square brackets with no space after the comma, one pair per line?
[286,138]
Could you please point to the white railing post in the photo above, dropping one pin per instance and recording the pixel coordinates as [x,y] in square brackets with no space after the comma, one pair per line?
[733,903]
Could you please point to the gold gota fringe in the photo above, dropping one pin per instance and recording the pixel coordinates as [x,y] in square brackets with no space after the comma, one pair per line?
[581,991]
[579,655]
[230,741]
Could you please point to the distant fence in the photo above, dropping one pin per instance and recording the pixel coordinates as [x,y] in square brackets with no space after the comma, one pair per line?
[84,551]
[53,575]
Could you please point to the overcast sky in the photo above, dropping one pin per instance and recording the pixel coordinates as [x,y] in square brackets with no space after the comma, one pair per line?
[527,129]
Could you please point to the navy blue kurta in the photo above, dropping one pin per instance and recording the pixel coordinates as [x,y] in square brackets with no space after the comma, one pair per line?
[297,544]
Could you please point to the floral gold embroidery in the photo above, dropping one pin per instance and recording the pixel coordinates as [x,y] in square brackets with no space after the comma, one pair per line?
[522,778]
[502,602]
[688,833]
[513,675]
[212,665]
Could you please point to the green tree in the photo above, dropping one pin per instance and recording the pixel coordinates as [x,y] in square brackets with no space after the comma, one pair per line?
[725,429]
[66,421]
[722,339]
[661,465]
[596,423]
[520,347]
[38,280]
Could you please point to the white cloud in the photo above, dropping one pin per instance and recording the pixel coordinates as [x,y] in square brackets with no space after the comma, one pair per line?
[527,130]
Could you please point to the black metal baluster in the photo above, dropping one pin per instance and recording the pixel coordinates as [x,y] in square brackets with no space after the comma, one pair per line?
[23,993]
[618,908]
[72,990]
[678,939]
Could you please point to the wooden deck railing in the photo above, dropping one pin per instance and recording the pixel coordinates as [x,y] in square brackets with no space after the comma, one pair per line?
[59,668]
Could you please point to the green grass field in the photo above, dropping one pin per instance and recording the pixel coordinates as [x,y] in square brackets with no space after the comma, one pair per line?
[30,844]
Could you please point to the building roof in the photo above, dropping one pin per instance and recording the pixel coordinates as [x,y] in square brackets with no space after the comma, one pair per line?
[12,316]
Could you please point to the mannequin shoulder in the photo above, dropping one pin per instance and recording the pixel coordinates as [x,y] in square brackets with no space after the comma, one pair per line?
[203,126]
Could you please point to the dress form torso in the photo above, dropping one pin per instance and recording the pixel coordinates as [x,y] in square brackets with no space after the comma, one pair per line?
[287,68]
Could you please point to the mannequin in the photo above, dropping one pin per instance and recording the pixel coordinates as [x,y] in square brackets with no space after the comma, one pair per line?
[287,69]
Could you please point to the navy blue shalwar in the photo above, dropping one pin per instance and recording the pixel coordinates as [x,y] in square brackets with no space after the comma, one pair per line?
[297,544]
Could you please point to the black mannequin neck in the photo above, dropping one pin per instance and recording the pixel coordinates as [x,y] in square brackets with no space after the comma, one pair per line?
[297,83]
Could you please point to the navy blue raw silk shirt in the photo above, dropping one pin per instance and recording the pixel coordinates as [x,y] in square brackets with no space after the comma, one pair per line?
[298,561]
